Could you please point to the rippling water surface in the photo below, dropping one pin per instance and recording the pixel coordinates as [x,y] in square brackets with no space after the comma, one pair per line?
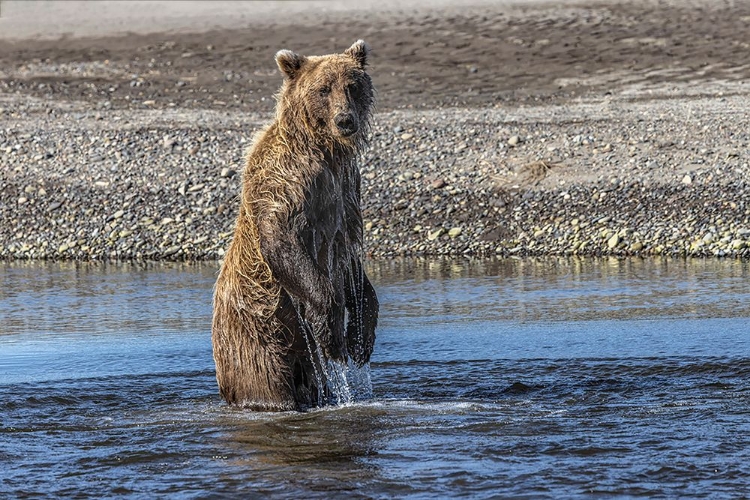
[548,377]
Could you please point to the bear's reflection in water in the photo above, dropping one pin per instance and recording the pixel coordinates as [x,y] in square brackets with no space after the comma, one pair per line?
[320,446]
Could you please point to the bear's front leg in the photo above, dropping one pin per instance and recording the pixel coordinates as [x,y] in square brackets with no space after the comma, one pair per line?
[330,330]
[299,274]
[296,272]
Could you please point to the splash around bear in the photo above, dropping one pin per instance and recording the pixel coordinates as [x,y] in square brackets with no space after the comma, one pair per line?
[292,293]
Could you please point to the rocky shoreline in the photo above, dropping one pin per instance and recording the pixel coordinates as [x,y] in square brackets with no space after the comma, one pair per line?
[592,177]
[497,133]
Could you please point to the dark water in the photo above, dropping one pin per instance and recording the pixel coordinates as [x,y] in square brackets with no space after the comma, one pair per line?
[515,378]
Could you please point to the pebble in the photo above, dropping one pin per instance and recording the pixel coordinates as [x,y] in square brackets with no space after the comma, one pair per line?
[613,241]
[433,235]
[438,183]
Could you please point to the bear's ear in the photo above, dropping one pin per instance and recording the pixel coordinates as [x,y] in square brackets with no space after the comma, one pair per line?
[359,52]
[289,63]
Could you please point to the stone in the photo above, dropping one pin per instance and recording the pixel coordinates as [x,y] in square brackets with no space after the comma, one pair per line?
[227,172]
[433,235]
[454,232]
[437,184]
[514,140]
[171,250]
[687,180]
[613,241]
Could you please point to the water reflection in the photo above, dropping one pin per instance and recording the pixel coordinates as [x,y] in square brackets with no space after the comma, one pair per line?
[567,288]
[311,448]
[552,268]
[49,297]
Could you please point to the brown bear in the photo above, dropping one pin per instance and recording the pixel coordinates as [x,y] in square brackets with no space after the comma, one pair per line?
[292,294]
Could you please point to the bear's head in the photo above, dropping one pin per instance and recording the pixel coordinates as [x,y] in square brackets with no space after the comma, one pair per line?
[332,95]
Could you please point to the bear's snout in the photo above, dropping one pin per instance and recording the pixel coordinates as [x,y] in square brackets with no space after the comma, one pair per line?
[346,123]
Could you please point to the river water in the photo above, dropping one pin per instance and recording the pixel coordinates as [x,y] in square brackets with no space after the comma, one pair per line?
[490,378]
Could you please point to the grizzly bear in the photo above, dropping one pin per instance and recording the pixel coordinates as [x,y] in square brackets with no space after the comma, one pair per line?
[292,294]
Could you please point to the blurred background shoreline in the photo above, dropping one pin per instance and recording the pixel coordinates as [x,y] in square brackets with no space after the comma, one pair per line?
[51,19]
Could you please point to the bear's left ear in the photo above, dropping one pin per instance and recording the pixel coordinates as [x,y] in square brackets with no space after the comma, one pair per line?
[359,52]
[289,63]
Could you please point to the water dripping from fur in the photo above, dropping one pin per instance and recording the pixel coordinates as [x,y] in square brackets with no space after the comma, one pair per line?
[359,311]
[338,383]
[348,383]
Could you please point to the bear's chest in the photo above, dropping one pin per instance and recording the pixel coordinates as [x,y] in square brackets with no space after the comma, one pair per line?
[324,203]
[323,229]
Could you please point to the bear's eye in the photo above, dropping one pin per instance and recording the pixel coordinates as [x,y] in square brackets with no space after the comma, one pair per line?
[353,88]
[324,91]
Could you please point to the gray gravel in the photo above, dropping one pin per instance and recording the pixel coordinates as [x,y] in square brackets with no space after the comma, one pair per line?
[608,175]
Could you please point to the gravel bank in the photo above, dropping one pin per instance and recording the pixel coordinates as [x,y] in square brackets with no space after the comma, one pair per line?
[595,177]
[594,129]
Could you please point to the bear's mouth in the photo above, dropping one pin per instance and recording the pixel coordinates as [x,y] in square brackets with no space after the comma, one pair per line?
[346,132]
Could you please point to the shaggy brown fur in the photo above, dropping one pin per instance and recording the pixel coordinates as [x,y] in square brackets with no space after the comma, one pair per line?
[293,272]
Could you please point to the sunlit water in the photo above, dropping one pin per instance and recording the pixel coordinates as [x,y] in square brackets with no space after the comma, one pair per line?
[521,378]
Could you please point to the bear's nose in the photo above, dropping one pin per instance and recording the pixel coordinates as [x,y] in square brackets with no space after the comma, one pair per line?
[346,123]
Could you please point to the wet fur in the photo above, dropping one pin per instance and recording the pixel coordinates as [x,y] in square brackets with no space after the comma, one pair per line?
[293,271]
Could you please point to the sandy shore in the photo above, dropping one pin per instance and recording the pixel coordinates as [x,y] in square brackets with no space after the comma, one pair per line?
[508,128]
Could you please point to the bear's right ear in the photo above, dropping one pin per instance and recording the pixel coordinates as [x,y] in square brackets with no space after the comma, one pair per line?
[289,63]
